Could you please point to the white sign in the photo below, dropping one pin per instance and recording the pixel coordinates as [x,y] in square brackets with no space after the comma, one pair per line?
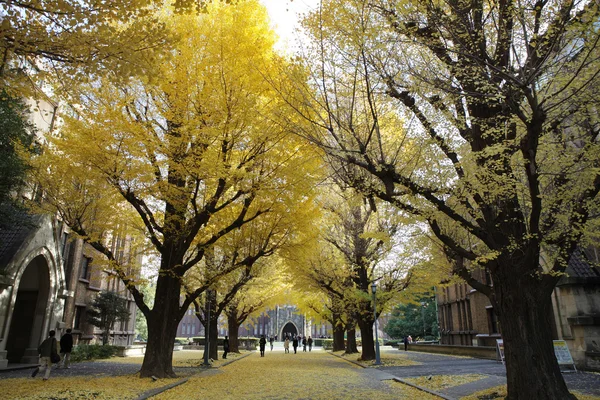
[561,350]
[500,348]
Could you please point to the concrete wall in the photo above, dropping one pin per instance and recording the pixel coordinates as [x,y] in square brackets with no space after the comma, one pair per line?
[469,351]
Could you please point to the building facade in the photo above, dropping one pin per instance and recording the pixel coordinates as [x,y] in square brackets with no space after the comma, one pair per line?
[48,278]
[466,317]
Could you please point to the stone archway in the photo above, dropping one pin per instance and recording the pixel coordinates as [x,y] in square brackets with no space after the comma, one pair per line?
[27,324]
[289,329]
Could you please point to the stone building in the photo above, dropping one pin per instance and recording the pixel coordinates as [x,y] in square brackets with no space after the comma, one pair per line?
[467,318]
[48,278]
[278,321]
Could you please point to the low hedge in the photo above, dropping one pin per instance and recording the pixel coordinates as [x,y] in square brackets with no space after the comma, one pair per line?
[87,352]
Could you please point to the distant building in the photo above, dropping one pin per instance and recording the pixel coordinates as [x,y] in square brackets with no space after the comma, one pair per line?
[278,321]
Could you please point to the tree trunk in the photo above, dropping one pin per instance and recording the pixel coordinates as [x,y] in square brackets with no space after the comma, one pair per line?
[366,334]
[234,327]
[338,337]
[213,329]
[351,347]
[213,345]
[532,371]
[162,329]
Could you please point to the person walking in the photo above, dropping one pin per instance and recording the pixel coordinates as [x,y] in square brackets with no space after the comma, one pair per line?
[66,346]
[286,345]
[405,343]
[225,347]
[304,344]
[262,342]
[271,342]
[295,344]
[309,341]
[47,349]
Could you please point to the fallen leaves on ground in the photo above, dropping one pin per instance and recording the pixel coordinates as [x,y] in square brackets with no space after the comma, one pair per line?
[440,382]
[314,375]
[388,359]
[82,387]
[499,392]
[182,358]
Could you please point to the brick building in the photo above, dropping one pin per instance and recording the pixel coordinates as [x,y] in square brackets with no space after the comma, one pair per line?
[467,318]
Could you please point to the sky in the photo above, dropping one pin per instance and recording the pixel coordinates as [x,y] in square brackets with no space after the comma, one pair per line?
[284,17]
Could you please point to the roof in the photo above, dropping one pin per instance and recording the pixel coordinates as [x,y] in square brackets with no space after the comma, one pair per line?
[580,266]
[13,233]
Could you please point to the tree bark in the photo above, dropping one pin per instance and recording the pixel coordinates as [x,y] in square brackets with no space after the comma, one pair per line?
[162,329]
[532,371]
[338,331]
[366,334]
[351,347]
[234,327]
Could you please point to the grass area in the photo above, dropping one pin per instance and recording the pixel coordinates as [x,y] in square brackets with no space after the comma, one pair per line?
[388,359]
[499,392]
[441,382]
[182,358]
[315,375]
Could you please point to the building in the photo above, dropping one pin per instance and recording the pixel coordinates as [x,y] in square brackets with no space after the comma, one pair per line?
[467,318]
[278,321]
[48,278]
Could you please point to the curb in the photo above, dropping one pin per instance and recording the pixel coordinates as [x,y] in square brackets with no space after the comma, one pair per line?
[421,388]
[399,380]
[151,393]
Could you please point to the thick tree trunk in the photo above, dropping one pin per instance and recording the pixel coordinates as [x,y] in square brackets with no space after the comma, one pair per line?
[351,347]
[338,338]
[368,343]
[162,329]
[234,327]
[532,371]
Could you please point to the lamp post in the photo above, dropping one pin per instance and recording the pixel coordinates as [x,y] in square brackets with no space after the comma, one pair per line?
[423,305]
[374,290]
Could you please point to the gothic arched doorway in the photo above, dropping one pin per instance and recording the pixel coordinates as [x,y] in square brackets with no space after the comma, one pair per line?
[29,310]
[289,330]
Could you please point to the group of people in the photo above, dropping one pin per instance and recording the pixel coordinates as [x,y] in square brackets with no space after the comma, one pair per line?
[48,351]
[295,341]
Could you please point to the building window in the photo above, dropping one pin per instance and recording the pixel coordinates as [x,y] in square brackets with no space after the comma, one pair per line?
[79,311]
[85,267]
[492,320]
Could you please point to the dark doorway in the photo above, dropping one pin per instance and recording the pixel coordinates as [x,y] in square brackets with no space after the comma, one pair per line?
[289,330]
[22,322]
[29,310]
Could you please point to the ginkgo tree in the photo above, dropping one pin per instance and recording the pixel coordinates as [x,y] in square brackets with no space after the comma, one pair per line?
[498,148]
[188,156]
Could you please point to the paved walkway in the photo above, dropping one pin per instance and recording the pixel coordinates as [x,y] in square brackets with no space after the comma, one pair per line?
[436,364]
[318,375]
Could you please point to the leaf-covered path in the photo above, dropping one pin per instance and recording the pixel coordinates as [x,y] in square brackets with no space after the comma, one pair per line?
[314,375]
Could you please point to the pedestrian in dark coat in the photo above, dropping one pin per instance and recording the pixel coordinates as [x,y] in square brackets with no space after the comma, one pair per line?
[309,341]
[66,346]
[46,349]
[225,347]
[262,342]
[295,344]
[304,343]
[405,343]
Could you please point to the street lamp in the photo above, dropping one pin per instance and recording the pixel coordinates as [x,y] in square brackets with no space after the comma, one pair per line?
[374,290]
[423,305]
[206,331]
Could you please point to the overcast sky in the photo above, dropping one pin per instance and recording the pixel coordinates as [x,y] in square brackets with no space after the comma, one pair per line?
[284,17]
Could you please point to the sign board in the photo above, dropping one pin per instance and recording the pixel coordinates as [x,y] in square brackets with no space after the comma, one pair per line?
[563,355]
[500,349]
